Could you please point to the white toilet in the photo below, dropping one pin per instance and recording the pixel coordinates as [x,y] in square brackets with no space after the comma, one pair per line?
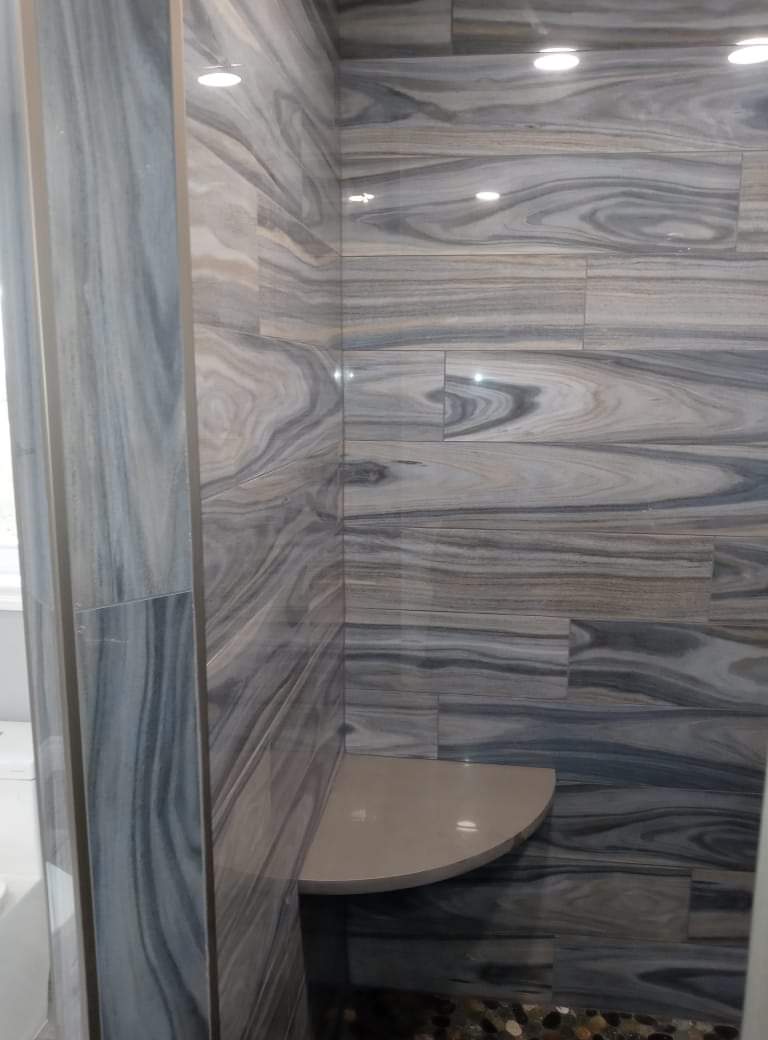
[24,951]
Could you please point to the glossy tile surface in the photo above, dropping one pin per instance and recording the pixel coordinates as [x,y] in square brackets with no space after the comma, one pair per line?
[389,826]
[643,489]
[402,27]
[504,25]
[463,302]
[602,463]
[615,662]
[510,898]
[709,749]
[704,978]
[112,211]
[658,304]
[136,668]
[425,653]
[585,397]
[266,269]
[550,575]
[665,100]
[554,204]
[391,395]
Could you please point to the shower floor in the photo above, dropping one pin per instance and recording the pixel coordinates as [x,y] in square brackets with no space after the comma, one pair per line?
[379,1015]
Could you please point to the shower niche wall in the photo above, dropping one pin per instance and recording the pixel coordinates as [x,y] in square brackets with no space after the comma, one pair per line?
[556,379]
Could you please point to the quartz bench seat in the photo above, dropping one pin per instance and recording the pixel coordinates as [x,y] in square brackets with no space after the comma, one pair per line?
[394,823]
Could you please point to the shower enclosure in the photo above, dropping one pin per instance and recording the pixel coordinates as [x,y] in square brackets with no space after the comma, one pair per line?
[544,368]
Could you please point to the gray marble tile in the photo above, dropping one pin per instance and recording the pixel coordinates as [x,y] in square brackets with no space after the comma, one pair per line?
[548,204]
[399,725]
[387,27]
[703,748]
[266,621]
[502,25]
[636,488]
[255,128]
[697,666]
[488,965]
[672,100]
[511,898]
[262,403]
[721,905]
[753,211]
[699,980]
[582,397]
[655,826]
[306,743]
[394,395]
[262,832]
[112,214]
[568,575]
[299,282]
[136,671]
[740,581]
[461,303]
[224,239]
[658,303]
[424,653]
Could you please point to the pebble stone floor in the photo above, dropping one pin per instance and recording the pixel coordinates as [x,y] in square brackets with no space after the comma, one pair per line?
[376,1015]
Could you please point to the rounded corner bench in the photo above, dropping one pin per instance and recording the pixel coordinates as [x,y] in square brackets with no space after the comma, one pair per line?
[394,823]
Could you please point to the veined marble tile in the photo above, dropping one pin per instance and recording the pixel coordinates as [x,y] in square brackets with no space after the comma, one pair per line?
[522,966]
[740,581]
[277,535]
[697,666]
[646,303]
[721,905]
[753,212]
[460,303]
[394,27]
[651,825]
[603,398]
[224,237]
[696,979]
[673,100]
[262,403]
[255,128]
[556,575]
[299,282]
[548,204]
[391,395]
[393,724]
[321,160]
[502,25]
[704,748]
[424,653]
[136,672]
[636,488]
[111,187]
[511,897]
[273,588]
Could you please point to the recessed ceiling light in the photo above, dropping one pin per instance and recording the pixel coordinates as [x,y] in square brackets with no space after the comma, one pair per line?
[750,52]
[488,196]
[219,79]
[557,59]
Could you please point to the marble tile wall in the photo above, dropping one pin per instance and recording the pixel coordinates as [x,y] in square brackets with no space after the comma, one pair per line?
[107,128]
[556,460]
[263,178]
[406,28]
